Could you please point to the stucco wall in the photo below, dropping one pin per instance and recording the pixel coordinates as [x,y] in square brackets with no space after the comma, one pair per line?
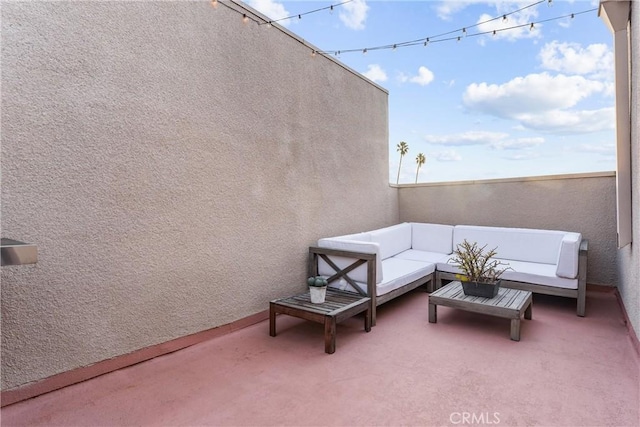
[172,165]
[629,256]
[580,203]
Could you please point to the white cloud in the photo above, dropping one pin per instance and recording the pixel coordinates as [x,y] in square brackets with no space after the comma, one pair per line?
[272,9]
[353,14]
[560,121]
[445,9]
[375,73]
[517,143]
[447,156]
[466,138]
[424,77]
[606,149]
[522,156]
[595,60]
[542,102]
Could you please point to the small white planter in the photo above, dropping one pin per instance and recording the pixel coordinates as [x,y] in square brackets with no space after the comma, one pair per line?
[318,294]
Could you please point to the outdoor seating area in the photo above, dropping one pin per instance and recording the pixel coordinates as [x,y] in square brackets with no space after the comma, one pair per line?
[406,371]
[390,261]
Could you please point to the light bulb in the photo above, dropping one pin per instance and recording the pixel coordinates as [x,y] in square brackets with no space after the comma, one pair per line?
[364,51]
[245,18]
[214,3]
[531,27]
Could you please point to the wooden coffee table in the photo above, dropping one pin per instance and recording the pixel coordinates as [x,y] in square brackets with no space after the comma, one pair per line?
[338,306]
[509,303]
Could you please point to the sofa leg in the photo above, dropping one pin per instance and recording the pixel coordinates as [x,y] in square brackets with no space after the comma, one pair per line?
[582,302]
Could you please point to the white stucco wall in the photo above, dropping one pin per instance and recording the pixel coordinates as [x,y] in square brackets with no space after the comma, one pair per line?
[172,166]
[629,256]
[583,203]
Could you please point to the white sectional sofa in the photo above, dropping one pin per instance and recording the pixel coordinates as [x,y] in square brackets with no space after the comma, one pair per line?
[390,261]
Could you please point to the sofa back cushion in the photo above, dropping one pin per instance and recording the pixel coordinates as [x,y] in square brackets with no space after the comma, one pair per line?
[519,244]
[392,240]
[568,256]
[432,237]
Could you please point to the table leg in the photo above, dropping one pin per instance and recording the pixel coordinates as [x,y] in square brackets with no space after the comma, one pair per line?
[272,319]
[528,312]
[329,334]
[515,329]
[433,313]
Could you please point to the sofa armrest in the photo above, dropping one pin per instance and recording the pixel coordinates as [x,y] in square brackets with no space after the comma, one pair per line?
[350,247]
[356,260]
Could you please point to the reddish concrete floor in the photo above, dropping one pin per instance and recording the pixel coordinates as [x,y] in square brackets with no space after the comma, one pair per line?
[464,370]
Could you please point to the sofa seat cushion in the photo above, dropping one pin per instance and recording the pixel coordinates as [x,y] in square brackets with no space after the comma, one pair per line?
[397,273]
[424,256]
[537,273]
[528,272]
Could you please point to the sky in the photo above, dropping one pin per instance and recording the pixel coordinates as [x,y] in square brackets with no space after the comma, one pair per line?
[521,102]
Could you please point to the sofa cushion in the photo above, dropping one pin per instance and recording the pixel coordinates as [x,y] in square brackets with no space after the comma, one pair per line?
[519,244]
[567,263]
[397,273]
[392,240]
[537,273]
[432,237]
[424,256]
[522,271]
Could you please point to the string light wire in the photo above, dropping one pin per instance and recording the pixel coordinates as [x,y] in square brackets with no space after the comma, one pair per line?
[300,15]
[425,41]
[430,40]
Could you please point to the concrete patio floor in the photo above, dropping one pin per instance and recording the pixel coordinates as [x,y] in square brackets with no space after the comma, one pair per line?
[464,370]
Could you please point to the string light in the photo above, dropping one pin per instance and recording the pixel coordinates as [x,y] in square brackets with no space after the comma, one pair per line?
[300,15]
[423,41]
[426,41]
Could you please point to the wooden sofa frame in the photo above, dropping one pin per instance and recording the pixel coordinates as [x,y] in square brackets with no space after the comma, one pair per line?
[434,280]
[361,258]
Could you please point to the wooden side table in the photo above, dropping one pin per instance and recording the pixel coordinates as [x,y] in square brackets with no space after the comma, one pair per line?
[338,306]
[509,303]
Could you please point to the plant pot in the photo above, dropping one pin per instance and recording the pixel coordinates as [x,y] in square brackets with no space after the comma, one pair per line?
[479,289]
[318,293]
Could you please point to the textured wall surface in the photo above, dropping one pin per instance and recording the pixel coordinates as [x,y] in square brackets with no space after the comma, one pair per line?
[582,203]
[172,166]
[629,256]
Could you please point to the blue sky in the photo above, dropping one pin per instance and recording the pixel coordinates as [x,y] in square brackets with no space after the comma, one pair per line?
[522,102]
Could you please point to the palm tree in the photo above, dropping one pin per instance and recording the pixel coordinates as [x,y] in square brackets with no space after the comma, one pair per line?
[420,159]
[403,148]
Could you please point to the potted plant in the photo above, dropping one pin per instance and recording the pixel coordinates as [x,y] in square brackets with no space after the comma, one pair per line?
[317,289]
[481,273]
